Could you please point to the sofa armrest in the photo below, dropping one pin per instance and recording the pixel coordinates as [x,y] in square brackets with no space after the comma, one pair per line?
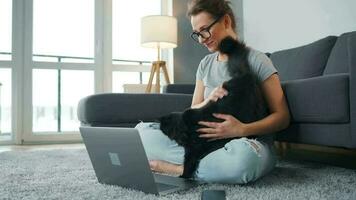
[179,88]
[114,109]
[323,99]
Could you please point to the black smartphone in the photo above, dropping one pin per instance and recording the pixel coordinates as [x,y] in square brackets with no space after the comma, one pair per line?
[213,195]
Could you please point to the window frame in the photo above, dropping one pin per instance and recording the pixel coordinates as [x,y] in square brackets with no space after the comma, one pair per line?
[22,66]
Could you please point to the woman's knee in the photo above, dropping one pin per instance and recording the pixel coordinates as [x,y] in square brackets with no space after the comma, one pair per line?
[157,145]
[151,139]
[247,172]
[238,162]
[244,172]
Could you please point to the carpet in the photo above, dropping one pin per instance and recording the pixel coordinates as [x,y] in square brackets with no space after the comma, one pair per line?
[68,174]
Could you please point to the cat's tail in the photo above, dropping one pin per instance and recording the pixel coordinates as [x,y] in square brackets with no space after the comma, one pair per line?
[227,45]
[230,46]
[237,53]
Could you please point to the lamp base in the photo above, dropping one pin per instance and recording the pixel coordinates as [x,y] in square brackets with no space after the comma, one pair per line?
[155,70]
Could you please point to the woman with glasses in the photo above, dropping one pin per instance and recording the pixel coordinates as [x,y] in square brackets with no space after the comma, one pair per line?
[241,160]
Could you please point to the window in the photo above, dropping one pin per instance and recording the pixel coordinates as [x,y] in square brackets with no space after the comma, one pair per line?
[62,34]
[5,27]
[126,47]
[63,51]
[5,101]
[5,69]
[56,111]
[55,52]
[72,91]
[45,107]
[122,78]
[126,22]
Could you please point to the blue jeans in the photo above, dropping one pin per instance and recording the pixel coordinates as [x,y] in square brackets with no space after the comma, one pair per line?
[239,161]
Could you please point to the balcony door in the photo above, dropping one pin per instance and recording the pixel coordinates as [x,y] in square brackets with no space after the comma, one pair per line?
[6,70]
[55,52]
[59,67]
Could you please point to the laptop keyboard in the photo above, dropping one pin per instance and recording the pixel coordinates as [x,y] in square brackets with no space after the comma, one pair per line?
[163,186]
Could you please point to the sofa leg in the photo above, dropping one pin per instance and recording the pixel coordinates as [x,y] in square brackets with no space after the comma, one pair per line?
[282,148]
[285,148]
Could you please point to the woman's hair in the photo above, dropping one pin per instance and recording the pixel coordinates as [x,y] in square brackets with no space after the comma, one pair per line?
[216,8]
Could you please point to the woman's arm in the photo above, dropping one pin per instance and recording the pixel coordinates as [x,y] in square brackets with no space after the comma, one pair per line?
[198,96]
[277,120]
[279,114]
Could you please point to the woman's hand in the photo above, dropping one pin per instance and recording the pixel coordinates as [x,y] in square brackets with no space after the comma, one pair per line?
[229,128]
[217,93]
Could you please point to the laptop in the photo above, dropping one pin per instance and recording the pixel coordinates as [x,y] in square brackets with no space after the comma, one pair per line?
[118,158]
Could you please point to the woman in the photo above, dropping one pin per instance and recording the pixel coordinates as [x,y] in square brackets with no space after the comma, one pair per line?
[241,160]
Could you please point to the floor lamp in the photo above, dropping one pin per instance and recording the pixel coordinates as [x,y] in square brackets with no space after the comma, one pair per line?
[159,32]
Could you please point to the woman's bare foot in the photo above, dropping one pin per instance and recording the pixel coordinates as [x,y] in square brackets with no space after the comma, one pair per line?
[166,167]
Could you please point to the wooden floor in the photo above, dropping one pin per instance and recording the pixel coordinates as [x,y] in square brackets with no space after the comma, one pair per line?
[40,147]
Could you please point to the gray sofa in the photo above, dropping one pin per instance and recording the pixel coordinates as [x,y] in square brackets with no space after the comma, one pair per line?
[319,81]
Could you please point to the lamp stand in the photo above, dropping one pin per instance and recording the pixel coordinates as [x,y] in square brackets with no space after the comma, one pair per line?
[155,70]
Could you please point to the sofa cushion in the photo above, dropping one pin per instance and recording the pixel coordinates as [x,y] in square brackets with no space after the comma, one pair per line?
[305,61]
[113,109]
[339,59]
[323,99]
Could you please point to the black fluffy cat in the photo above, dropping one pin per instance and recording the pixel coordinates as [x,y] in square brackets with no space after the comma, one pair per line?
[244,101]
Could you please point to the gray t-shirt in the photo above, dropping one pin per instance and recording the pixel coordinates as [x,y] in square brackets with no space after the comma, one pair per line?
[213,73]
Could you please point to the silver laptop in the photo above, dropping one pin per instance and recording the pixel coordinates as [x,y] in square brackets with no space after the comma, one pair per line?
[118,158]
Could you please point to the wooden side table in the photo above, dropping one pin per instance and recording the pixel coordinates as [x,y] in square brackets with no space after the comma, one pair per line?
[136,88]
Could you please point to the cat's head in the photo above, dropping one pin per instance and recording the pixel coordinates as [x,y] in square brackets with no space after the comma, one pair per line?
[174,127]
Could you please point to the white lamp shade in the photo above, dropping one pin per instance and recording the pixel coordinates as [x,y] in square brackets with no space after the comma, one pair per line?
[159,31]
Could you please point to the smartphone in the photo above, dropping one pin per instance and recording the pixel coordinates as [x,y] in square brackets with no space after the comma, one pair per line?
[213,195]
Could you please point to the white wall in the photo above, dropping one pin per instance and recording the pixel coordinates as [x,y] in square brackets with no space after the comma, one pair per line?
[279,24]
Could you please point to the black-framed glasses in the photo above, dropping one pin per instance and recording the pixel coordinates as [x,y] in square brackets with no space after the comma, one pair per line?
[204,33]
